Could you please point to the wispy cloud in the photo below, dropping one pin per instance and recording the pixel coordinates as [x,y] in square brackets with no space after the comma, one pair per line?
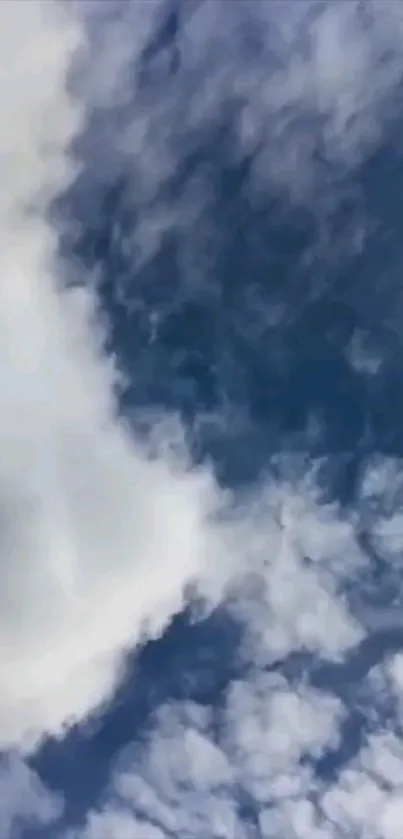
[308,83]
[24,798]
[312,87]
[99,541]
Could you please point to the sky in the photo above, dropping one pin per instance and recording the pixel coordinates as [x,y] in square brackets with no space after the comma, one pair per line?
[201,447]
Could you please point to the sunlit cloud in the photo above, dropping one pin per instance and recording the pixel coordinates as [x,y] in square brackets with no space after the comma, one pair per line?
[102,540]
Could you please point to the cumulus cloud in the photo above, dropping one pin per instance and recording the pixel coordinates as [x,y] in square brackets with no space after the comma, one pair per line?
[100,541]
[252,767]
[24,798]
[255,776]
[97,542]
[314,88]
[184,782]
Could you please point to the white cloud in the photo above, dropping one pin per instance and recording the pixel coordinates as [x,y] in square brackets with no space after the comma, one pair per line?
[303,75]
[368,795]
[199,768]
[220,771]
[296,552]
[24,799]
[97,542]
[187,783]
[311,88]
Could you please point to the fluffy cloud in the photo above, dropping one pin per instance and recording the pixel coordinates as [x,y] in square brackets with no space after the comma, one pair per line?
[252,766]
[24,799]
[99,541]
[314,89]
[252,772]
[96,541]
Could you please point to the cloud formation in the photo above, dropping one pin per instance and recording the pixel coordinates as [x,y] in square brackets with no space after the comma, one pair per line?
[252,767]
[314,88]
[97,542]
[25,800]
[309,84]
[100,541]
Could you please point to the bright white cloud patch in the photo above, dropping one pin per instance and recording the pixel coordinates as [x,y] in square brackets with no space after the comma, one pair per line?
[98,542]
[95,543]
[249,769]
[249,765]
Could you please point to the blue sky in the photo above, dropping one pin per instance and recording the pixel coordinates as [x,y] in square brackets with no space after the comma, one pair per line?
[201,420]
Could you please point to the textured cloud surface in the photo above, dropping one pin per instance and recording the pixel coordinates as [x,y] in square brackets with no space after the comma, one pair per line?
[257,776]
[103,537]
[95,541]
